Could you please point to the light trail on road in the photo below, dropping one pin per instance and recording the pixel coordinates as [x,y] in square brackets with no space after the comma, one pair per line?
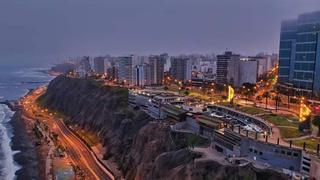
[77,150]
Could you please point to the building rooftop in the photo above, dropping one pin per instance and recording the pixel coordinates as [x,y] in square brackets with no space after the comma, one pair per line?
[173,109]
[209,121]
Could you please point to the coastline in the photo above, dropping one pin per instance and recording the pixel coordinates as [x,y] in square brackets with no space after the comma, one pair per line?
[29,156]
[26,155]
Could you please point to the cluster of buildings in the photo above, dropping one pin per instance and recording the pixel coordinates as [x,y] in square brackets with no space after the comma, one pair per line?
[299,69]
[299,55]
[236,135]
[131,70]
[150,70]
[140,70]
[236,70]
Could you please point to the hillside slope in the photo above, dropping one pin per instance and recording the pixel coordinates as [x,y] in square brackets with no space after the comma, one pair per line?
[142,149]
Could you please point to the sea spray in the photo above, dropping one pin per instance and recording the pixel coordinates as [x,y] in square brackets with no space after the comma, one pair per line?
[12,88]
[8,167]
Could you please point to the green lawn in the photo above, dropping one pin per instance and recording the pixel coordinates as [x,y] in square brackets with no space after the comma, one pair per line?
[280,120]
[291,117]
[311,143]
[252,110]
[288,132]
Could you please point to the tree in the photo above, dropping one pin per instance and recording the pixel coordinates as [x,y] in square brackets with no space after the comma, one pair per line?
[186,92]
[219,88]
[166,88]
[316,122]
[248,93]
[266,95]
[277,98]
[259,98]
[192,141]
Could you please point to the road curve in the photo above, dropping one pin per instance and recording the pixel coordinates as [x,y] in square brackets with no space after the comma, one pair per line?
[78,151]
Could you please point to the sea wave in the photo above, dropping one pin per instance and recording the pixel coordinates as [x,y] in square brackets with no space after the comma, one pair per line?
[31,73]
[8,166]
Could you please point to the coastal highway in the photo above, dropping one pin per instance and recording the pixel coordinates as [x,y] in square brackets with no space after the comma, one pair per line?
[78,152]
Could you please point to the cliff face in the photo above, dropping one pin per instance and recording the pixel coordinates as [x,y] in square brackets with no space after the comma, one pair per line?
[141,148]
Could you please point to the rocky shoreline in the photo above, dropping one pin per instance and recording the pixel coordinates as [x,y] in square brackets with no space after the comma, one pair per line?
[27,156]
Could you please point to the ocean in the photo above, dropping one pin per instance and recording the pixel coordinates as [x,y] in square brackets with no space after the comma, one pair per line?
[14,83]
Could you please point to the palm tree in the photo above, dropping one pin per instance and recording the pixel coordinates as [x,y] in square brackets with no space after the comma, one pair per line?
[266,95]
[186,92]
[219,88]
[259,98]
[277,98]
[316,122]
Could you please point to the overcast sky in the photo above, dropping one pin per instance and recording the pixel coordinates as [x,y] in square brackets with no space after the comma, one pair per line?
[37,31]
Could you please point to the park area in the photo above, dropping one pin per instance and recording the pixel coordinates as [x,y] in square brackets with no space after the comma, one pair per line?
[281,120]
[253,110]
[288,124]
[311,143]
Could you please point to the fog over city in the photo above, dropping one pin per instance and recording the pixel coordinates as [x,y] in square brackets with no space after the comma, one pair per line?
[46,31]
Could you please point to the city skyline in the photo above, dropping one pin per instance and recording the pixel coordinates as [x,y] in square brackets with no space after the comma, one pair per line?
[170,89]
[37,32]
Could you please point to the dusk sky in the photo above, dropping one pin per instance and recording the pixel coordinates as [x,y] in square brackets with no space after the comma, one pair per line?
[37,31]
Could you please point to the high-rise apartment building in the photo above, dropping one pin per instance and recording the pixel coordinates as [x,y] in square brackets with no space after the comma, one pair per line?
[83,66]
[248,71]
[228,68]
[299,54]
[233,75]
[222,67]
[156,69]
[99,65]
[139,75]
[181,68]
[125,69]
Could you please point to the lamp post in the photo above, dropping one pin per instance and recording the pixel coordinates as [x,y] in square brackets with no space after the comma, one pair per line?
[288,98]
[160,109]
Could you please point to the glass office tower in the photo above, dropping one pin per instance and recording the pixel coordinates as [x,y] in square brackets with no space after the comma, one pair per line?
[299,53]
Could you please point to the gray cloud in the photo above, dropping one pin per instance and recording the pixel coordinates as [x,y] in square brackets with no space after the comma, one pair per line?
[40,31]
